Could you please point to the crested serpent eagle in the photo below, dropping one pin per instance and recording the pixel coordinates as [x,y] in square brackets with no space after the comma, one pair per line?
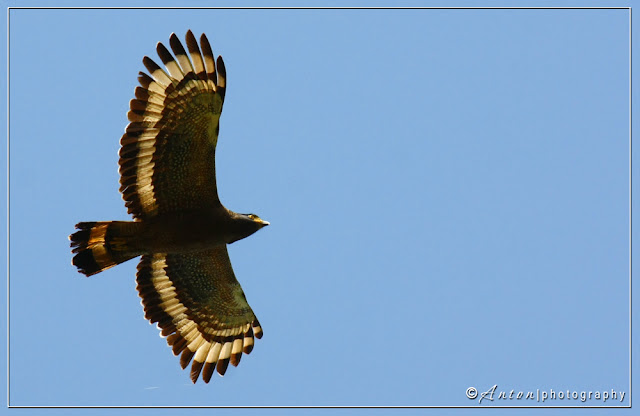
[180,227]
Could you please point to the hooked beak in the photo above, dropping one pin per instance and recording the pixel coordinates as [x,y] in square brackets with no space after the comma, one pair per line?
[264,223]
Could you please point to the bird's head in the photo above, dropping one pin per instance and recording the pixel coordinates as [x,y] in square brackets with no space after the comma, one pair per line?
[257,220]
[245,225]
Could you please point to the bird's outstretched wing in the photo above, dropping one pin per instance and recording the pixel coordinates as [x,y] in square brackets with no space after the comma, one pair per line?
[200,307]
[167,158]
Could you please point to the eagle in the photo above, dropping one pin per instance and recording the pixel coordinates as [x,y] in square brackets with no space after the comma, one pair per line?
[180,228]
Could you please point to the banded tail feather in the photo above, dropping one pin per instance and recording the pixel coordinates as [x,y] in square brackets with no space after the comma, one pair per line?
[102,245]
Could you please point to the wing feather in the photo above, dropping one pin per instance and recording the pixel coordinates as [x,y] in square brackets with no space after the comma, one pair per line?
[196,56]
[181,54]
[169,62]
[209,58]
[198,304]
[167,154]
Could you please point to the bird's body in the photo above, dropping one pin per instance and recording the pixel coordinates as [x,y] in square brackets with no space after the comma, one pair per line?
[196,230]
[180,227]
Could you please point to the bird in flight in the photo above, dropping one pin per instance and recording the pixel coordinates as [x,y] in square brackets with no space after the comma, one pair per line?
[180,227]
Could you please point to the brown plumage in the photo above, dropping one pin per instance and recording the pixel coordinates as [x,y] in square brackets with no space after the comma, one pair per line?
[180,228]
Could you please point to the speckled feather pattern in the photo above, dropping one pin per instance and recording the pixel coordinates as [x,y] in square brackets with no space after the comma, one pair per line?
[167,158]
[198,314]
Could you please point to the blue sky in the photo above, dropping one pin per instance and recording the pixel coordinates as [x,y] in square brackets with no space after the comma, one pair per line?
[448,192]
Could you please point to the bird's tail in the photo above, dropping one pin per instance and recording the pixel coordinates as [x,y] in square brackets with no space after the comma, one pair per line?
[101,245]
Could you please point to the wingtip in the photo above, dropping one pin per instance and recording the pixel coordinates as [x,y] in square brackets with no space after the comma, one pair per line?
[196,368]
[235,358]
[222,366]
[186,357]
[207,371]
